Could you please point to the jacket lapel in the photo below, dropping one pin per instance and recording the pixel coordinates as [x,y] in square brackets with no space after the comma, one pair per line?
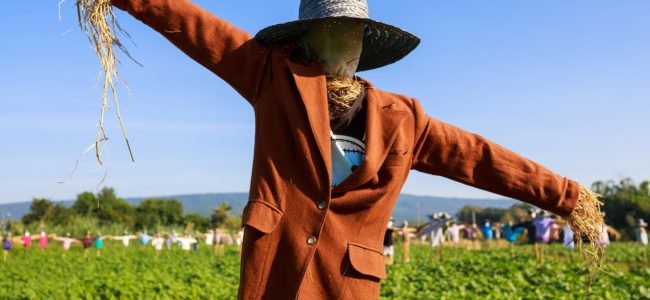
[312,88]
[382,123]
[381,129]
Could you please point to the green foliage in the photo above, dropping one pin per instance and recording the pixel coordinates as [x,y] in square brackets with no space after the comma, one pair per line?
[199,222]
[625,203]
[232,224]
[119,273]
[112,209]
[155,212]
[109,214]
[86,204]
[38,210]
[220,214]
[515,274]
[135,273]
[44,211]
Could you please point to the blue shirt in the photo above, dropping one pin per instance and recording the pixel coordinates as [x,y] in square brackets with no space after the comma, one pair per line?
[510,234]
[487,231]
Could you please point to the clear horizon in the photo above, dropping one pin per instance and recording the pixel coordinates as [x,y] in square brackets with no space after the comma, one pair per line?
[564,84]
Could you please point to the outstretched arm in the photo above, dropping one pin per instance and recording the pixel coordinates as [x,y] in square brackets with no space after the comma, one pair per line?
[227,51]
[449,151]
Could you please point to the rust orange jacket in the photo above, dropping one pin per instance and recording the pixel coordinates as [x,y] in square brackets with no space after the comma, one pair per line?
[304,239]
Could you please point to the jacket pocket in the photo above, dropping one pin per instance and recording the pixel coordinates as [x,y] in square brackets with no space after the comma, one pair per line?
[261,215]
[367,260]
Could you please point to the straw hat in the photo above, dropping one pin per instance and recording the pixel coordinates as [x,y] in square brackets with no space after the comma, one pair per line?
[383,44]
[642,223]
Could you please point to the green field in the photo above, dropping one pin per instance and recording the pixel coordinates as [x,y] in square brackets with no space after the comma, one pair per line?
[506,273]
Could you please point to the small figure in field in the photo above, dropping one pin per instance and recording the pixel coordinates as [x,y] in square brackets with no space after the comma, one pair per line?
[486,229]
[157,243]
[42,240]
[406,233]
[642,238]
[171,239]
[510,233]
[605,232]
[470,232]
[543,224]
[209,236]
[389,250]
[217,242]
[67,242]
[239,239]
[126,238]
[496,230]
[144,239]
[568,239]
[453,232]
[195,246]
[186,242]
[641,235]
[27,239]
[99,242]
[87,242]
[529,225]
[435,229]
[7,243]
[227,239]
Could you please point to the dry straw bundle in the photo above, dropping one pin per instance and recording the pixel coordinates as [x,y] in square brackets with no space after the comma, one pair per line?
[98,22]
[341,94]
[587,222]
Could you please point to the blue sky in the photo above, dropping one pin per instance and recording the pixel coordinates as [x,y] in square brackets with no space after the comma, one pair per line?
[565,83]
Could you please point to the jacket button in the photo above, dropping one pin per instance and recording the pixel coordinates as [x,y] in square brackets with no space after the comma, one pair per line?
[321,204]
[311,240]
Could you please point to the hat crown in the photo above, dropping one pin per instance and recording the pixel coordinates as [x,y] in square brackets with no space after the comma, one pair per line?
[312,9]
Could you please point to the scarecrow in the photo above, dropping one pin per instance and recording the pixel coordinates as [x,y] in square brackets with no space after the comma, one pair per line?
[332,151]
[99,242]
[43,239]
[406,232]
[67,242]
[7,243]
[389,249]
[641,235]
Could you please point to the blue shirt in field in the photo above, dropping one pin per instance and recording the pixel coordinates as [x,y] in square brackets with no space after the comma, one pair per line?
[487,231]
[511,234]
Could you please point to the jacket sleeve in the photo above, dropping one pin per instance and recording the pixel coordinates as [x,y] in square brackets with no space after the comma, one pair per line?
[225,50]
[446,150]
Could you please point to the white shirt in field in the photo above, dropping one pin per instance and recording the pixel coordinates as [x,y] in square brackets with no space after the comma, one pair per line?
[568,237]
[642,236]
[186,243]
[209,237]
[454,232]
[126,239]
[157,243]
[435,232]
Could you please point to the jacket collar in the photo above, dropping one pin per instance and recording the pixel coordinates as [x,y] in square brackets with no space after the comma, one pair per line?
[382,123]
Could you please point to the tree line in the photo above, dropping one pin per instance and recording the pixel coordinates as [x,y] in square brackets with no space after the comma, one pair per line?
[106,209]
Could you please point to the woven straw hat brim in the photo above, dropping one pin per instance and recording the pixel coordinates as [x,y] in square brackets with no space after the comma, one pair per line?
[383,44]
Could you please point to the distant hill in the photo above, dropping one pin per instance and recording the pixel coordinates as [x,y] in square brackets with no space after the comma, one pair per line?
[408,207]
